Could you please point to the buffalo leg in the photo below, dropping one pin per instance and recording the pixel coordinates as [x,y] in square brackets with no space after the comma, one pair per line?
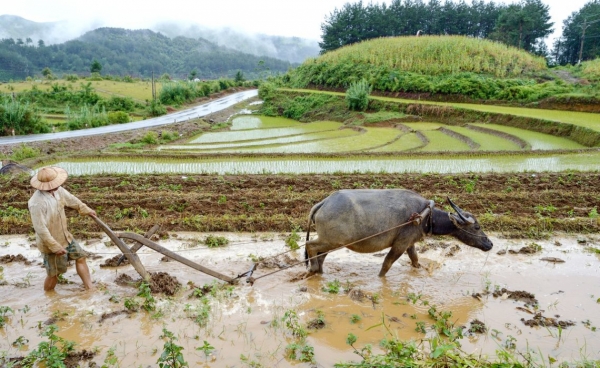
[392,256]
[412,254]
[313,248]
[321,259]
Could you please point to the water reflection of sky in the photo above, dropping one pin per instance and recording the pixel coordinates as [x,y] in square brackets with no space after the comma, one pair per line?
[580,162]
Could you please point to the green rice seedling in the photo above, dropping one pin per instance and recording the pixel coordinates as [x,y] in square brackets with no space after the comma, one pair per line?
[355,318]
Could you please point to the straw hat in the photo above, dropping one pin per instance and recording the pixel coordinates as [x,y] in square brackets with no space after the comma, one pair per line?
[48,178]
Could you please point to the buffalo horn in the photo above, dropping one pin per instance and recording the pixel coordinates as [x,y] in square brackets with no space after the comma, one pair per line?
[459,211]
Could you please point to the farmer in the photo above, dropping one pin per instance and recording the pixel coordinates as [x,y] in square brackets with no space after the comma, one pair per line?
[47,209]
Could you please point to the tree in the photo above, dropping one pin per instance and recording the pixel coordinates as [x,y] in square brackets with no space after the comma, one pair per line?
[239,77]
[523,24]
[193,74]
[579,36]
[41,43]
[96,67]
[47,73]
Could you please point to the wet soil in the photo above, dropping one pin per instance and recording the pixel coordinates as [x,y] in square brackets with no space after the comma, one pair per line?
[114,262]
[533,297]
[519,205]
[9,258]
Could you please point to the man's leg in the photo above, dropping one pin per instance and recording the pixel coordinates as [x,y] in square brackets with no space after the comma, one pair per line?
[84,272]
[50,283]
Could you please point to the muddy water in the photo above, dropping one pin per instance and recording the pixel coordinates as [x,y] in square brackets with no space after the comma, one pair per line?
[244,323]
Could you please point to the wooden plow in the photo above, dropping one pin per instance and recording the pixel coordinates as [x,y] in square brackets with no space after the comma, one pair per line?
[132,257]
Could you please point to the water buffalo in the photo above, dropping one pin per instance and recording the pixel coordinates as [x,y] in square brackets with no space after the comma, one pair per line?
[352,215]
[11,167]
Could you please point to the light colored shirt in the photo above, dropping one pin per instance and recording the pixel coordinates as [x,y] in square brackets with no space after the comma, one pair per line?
[49,218]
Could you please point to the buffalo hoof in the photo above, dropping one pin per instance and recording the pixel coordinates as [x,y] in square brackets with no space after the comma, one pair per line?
[418,265]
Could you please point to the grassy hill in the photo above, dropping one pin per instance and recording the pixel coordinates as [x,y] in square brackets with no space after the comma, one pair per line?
[433,65]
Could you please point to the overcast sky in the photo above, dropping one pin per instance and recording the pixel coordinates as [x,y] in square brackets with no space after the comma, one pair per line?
[301,18]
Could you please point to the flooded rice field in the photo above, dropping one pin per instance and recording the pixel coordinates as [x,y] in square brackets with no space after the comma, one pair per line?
[503,299]
[584,161]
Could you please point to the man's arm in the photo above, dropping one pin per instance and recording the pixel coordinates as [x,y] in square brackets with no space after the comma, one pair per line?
[73,202]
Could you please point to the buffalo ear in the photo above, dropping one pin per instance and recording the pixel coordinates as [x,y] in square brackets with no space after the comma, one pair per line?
[456,220]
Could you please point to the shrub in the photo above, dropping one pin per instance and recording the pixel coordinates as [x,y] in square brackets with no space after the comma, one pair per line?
[116,103]
[86,117]
[24,152]
[118,117]
[21,118]
[156,109]
[357,95]
[168,136]
[150,138]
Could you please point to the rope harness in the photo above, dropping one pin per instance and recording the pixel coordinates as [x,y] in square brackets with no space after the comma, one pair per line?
[415,219]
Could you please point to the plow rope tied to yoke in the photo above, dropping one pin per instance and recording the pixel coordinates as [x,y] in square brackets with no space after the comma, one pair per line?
[415,219]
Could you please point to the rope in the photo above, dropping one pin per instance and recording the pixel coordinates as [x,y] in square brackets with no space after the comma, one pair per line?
[251,280]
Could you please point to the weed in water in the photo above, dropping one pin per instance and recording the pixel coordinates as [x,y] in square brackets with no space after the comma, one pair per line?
[20,342]
[292,240]
[332,287]
[292,322]
[420,327]
[171,356]
[206,349]
[111,359]
[4,311]
[132,304]
[212,241]
[51,353]
[355,318]
[144,291]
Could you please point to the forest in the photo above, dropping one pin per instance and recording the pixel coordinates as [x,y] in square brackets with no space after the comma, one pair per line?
[137,53]
[523,24]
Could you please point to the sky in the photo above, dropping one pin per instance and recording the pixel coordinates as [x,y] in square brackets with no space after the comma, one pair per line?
[300,18]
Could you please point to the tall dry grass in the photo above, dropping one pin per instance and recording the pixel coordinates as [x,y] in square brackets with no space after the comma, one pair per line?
[437,55]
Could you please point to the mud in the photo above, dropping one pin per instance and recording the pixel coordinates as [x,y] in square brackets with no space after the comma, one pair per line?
[162,282]
[250,320]
[114,262]
[477,327]
[9,258]
[540,321]
[518,295]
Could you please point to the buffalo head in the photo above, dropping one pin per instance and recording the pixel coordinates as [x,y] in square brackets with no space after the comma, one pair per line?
[468,229]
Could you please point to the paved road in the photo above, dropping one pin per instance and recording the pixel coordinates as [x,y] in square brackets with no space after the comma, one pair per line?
[192,113]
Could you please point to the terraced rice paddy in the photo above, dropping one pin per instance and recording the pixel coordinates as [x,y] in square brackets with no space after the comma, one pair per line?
[252,134]
[487,142]
[259,134]
[538,141]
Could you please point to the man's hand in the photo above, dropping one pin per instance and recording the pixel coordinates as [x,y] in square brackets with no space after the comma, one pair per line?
[93,214]
[61,252]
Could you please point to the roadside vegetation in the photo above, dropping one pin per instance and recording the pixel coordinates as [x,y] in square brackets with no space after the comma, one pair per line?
[74,103]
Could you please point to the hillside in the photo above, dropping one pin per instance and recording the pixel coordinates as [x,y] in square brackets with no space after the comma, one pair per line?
[132,52]
[292,49]
[467,67]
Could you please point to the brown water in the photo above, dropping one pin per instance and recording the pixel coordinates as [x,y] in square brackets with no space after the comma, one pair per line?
[245,326]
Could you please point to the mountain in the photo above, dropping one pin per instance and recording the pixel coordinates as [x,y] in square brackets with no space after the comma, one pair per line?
[133,52]
[292,49]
